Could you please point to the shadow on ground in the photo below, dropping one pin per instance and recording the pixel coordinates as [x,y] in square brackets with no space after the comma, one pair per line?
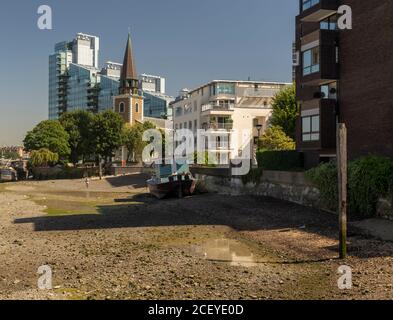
[240,213]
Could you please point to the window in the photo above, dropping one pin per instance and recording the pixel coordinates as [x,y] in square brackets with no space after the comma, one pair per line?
[311,61]
[195,106]
[223,88]
[330,23]
[122,107]
[195,125]
[137,108]
[307,4]
[311,128]
[190,125]
[329,91]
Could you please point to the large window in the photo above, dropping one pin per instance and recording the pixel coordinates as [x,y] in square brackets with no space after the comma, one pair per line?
[311,61]
[307,4]
[223,88]
[330,23]
[311,128]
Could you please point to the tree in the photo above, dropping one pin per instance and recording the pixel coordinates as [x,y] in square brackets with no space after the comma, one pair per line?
[43,158]
[78,125]
[106,129]
[132,138]
[275,139]
[50,135]
[285,110]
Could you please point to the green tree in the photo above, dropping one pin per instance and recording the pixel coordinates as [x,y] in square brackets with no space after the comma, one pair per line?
[106,129]
[132,138]
[50,135]
[285,110]
[78,125]
[43,158]
[275,139]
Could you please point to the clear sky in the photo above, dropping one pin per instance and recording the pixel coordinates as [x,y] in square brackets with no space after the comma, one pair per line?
[187,41]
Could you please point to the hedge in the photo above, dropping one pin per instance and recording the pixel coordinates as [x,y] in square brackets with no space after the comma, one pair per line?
[369,178]
[280,160]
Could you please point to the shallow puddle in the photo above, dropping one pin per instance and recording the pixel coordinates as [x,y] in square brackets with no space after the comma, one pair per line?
[228,251]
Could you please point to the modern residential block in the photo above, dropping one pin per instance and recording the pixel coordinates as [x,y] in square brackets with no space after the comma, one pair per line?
[344,76]
[223,107]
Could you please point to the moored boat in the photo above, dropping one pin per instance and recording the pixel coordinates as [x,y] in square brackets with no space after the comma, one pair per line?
[165,183]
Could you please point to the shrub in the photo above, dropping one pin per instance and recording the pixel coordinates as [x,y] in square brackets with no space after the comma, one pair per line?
[325,178]
[280,160]
[275,139]
[369,178]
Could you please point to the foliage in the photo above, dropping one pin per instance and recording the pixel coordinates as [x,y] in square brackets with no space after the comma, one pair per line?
[369,178]
[43,158]
[285,110]
[280,160]
[325,178]
[78,126]
[50,135]
[132,138]
[106,129]
[275,139]
[11,155]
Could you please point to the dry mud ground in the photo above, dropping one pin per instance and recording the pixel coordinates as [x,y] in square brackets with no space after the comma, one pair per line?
[114,241]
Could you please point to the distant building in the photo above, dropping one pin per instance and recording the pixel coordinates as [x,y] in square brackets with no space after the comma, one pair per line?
[150,83]
[76,82]
[129,102]
[64,91]
[224,106]
[156,105]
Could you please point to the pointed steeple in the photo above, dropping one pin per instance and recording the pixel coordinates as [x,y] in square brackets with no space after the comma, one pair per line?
[129,80]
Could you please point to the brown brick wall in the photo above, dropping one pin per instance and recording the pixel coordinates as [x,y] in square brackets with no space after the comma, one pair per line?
[366,78]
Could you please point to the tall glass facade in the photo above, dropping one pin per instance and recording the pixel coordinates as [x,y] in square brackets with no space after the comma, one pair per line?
[82,88]
[109,87]
[58,65]
[156,105]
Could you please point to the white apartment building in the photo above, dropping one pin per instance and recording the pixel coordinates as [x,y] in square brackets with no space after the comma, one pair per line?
[227,109]
[85,50]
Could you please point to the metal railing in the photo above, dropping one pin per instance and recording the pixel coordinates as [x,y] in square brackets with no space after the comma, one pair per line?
[217,107]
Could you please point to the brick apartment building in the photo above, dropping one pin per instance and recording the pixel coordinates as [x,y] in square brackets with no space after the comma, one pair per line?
[345,76]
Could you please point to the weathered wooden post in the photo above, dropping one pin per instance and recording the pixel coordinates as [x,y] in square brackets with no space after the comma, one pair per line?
[342,165]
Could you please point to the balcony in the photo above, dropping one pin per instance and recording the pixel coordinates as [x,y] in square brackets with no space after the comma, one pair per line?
[216,109]
[317,10]
[328,113]
[327,69]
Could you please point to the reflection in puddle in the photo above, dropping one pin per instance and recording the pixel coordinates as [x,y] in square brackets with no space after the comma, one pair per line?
[229,251]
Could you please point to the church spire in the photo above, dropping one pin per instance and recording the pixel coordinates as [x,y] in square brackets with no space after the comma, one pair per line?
[129,80]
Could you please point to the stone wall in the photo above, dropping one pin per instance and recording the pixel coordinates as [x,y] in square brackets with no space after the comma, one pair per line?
[287,186]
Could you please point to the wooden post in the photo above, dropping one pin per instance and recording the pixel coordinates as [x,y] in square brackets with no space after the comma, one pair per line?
[342,165]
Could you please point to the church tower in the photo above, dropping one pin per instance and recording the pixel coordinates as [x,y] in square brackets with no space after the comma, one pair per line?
[129,104]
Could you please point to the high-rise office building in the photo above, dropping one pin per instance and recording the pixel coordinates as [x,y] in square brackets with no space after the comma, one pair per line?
[73,75]
[75,82]
[85,49]
[150,83]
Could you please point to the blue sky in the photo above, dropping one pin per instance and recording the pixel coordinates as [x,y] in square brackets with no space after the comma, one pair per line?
[189,42]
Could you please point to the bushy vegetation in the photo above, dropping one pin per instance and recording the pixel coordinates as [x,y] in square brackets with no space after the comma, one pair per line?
[49,135]
[285,110]
[43,158]
[369,178]
[275,139]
